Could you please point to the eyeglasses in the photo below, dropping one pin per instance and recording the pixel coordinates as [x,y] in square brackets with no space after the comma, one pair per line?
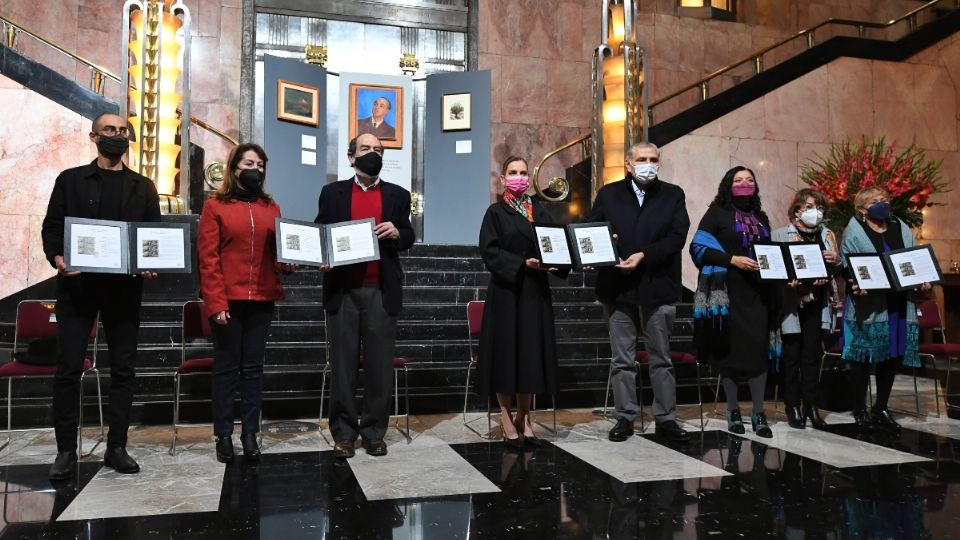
[110,131]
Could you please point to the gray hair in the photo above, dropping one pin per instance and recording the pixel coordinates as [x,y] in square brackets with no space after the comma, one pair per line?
[643,146]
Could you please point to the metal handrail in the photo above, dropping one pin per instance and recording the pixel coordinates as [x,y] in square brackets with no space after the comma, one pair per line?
[107,73]
[703,83]
[562,186]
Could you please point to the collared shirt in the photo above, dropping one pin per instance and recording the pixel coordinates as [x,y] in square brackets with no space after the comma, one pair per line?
[375,183]
[640,193]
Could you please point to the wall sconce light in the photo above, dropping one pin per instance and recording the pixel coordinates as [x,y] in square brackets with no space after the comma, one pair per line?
[156,35]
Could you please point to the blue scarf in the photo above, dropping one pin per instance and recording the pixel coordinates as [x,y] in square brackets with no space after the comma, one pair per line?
[711,298]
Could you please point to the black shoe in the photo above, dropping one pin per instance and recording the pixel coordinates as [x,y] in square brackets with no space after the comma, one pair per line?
[533,440]
[795,418]
[864,420]
[671,430]
[375,448]
[883,419]
[251,450]
[225,449]
[816,421]
[759,422]
[735,422]
[515,443]
[119,460]
[622,431]
[64,466]
[343,449]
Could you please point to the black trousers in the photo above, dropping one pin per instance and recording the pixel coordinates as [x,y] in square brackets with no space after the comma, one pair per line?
[361,319]
[885,373]
[80,299]
[239,348]
[801,358]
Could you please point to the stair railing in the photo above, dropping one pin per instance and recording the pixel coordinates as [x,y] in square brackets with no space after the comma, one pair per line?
[559,184]
[98,73]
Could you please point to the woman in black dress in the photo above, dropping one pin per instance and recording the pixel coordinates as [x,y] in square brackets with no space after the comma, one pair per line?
[517,344]
[736,221]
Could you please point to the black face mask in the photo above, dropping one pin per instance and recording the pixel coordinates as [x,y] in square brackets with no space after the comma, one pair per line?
[113,147]
[369,164]
[251,180]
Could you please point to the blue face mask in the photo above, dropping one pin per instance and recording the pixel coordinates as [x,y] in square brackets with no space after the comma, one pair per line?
[879,211]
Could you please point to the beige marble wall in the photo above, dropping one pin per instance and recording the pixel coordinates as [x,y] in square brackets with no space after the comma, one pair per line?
[914,102]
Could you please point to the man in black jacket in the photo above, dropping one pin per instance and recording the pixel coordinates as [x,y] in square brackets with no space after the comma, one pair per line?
[649,218]
[103,189]
[362,300]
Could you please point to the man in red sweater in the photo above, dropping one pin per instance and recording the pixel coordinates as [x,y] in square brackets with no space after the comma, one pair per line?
[362,301]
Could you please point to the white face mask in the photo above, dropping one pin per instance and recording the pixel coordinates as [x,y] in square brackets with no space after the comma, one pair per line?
[811,217]
[645,172]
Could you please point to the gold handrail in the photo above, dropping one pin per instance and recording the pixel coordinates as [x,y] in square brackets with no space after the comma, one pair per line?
[557,184]
[106,73]
[808,33]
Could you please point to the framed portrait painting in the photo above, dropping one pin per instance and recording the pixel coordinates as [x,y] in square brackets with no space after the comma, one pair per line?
[457,112]
[299,103]
[377,109]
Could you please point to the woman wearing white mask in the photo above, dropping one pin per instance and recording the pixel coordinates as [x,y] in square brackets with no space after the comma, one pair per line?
[517,343]
[804,308]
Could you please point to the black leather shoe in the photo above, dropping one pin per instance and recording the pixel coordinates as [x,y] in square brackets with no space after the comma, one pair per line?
[622,431]
[343,449]
[759,422]
[813,413]
[251,450]
[671,430]
[864,420]
[735,422]
[119,460]
[883,419]
[375,448]
[533,440]
[225,449]
[64,466]
[795,418]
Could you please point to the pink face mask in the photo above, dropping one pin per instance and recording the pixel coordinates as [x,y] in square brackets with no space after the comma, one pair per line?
[743,190]
[517,184]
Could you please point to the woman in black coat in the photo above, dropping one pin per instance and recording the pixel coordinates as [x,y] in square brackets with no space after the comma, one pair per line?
[517,343]
[736,221]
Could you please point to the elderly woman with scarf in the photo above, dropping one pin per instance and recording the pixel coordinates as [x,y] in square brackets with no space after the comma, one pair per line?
[517,342]
[804,309]
[879,327]
[731,300]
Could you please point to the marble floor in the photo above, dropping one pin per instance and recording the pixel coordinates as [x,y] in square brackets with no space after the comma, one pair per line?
[446,481]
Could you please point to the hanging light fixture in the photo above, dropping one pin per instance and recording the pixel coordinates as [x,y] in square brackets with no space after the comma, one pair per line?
[156,58]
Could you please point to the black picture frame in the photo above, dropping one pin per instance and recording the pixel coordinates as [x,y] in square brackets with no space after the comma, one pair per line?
[781,247]
[68,224]
[853,269]
[575,247]
[540,247]
[894,276]
[792,262]
[133,248]
[329,238]
[281,242]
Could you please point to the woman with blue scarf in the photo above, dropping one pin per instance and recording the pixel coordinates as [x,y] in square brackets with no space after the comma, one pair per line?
[879,327]
[731,306]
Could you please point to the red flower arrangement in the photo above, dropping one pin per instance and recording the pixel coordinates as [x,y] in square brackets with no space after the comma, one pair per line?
[909,177]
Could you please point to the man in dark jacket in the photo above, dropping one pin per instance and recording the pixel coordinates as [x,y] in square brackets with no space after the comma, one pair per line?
[103,189]
[649,218]
[362,300]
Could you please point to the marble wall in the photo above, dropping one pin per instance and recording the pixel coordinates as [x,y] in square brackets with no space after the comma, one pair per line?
[907,102]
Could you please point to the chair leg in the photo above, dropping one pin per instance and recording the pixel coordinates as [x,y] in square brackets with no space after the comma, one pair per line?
[553,399]
[699,396]
[916,392]
[716,397]
[96,373]
[323,388]
[80,420]
[176,411]
[466,391]
[606,397]
[406,398]
[9,413]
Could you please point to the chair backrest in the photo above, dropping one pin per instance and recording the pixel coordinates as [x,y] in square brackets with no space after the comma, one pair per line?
[475,317]
[928,315]
[196,320]
[37,319]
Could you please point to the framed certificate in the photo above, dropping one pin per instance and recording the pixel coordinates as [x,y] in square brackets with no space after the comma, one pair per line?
[552,245]
[161,247]
[352,242]
[300,242]
[911,267]
[96,246]
[806,259]
[868,270]
[772,260]
[592,244]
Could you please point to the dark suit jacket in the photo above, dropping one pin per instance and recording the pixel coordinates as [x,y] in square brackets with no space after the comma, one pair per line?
[334,207]
[383,131]
[658,229]
[76,193]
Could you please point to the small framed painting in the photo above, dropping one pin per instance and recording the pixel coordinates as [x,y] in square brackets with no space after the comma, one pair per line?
[457,112]
[299,103]
[377,109]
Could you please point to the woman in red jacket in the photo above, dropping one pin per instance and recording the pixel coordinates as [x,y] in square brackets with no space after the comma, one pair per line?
[237,251]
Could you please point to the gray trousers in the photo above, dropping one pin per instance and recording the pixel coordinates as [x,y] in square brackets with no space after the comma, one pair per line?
[626,322]
[361,319]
